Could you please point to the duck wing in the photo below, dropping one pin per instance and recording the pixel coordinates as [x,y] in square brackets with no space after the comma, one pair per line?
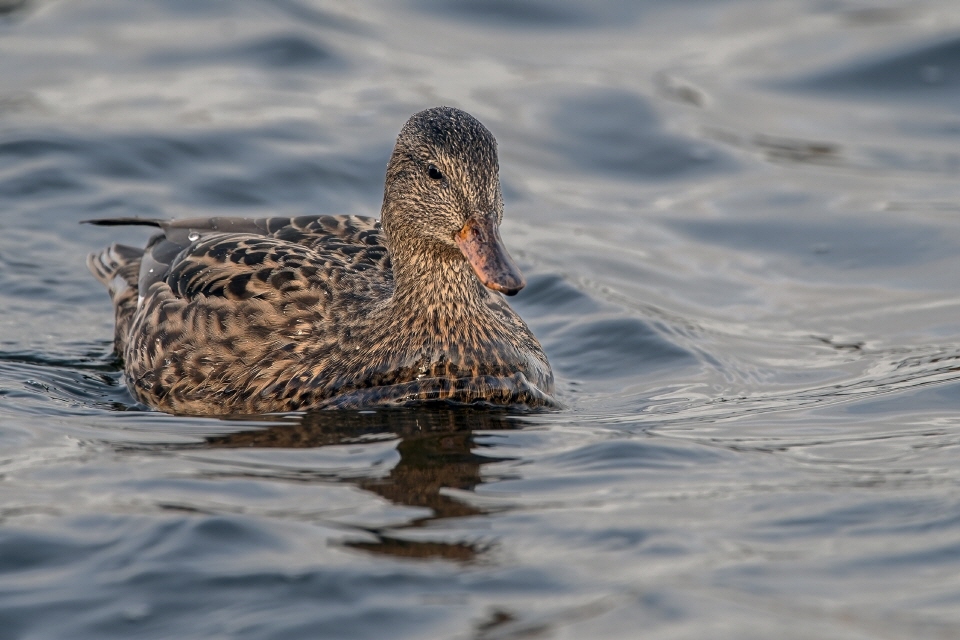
[263,258]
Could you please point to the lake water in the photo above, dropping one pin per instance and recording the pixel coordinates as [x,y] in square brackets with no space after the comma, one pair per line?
[740,223]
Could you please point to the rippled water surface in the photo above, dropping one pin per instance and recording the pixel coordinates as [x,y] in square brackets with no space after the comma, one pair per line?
[740,222]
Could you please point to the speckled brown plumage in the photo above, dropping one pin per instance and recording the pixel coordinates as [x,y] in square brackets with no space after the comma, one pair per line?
[242,316]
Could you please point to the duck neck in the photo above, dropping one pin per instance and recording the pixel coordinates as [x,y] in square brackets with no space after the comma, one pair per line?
[437,283]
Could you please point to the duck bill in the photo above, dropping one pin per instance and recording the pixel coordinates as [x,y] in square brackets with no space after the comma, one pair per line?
[480,242]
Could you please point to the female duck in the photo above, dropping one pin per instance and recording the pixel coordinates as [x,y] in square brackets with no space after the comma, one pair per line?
[242,316]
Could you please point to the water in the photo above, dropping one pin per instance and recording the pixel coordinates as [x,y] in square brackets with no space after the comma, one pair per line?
[739,223]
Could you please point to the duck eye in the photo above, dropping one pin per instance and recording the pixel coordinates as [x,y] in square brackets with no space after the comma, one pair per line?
[434,173]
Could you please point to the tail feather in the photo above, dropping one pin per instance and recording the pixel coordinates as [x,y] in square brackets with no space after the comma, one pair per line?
[118,268]
[116,222]
[117,260]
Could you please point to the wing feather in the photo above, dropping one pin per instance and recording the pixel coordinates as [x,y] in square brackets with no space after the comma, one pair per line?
[264,258]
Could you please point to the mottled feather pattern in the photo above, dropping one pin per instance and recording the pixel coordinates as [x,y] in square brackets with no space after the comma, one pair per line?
[243,316]
[251,324]
[117,267]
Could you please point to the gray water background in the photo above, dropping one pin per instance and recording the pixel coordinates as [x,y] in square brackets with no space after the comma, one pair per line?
[740,222]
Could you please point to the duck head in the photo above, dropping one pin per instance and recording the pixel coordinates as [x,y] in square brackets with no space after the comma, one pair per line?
[442,197]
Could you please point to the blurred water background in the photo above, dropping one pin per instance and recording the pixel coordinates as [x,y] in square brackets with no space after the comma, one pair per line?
[740,221]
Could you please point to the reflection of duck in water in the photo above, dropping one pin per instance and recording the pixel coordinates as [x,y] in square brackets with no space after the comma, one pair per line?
[437,452]
[237,316]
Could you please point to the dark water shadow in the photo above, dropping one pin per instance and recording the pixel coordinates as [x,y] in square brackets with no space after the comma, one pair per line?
[438,451]
[275,52]
[10,9]
[923,72]
[618,133]
[841,242]
[534,14]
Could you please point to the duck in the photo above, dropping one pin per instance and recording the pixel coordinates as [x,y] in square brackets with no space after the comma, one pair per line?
[228,316]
